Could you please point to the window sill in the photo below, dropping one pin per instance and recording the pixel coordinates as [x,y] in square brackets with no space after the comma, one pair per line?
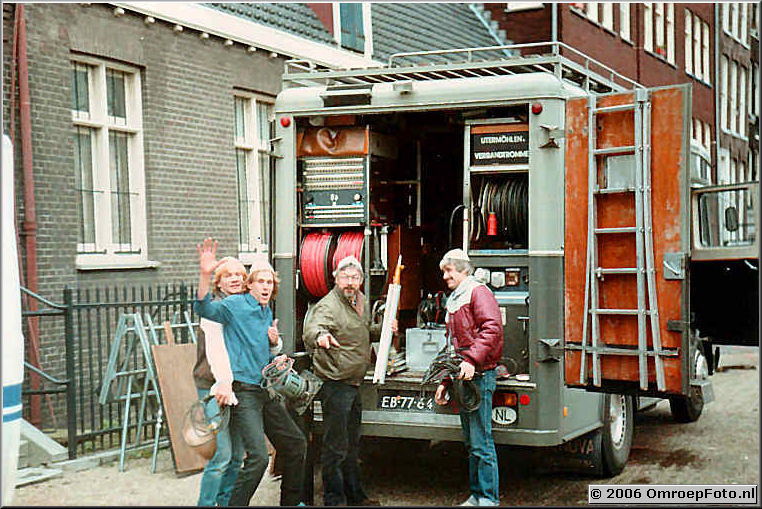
[700,80]
[735,135]
[249,257]
[660,57]
[85,264]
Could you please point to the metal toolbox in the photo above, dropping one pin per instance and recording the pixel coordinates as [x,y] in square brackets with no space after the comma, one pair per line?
[422,345]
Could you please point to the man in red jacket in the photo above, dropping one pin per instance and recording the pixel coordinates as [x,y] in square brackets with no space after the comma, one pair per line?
[475,326]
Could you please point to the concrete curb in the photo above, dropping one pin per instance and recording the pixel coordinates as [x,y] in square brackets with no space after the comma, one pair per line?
[94,460]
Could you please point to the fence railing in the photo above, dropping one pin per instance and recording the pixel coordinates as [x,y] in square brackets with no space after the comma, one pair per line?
[90,318]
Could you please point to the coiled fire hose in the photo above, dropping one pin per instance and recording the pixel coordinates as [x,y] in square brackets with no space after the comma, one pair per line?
[501,210]
[349,244]
[321,252]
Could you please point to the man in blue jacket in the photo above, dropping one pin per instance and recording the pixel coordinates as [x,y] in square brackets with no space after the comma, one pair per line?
[248,331]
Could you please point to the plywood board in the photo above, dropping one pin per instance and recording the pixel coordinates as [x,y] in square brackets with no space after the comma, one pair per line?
[174,369]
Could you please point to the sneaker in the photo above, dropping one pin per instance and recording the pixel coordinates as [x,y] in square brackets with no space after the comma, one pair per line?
[487,502]
[472,501]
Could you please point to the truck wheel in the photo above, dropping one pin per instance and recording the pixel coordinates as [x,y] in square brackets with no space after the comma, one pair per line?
[616,439]
[688,408]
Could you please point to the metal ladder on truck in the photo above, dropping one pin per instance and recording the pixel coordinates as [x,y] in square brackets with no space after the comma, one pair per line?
[647,311]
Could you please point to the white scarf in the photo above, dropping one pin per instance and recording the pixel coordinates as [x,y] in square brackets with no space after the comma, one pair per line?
[462,294]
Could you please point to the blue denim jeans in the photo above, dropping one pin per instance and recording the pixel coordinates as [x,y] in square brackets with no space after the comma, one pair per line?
[256,414]
[477,435]
[221,471]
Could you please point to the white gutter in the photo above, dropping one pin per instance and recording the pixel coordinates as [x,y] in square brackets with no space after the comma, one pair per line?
[235,28]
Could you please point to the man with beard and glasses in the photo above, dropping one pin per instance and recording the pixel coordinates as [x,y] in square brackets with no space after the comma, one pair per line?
[337,332]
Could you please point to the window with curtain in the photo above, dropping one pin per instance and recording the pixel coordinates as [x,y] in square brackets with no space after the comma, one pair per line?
[252,115]
[659,29]
[106,115]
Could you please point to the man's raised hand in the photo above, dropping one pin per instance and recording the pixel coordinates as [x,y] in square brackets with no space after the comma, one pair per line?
[207,256]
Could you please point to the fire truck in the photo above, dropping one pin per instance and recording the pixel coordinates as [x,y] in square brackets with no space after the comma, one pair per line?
[571,188]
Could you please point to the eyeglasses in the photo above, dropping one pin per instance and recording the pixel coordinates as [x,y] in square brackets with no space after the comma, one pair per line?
[347,277]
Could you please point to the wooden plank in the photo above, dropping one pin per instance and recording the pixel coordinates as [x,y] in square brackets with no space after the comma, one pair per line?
[174,369]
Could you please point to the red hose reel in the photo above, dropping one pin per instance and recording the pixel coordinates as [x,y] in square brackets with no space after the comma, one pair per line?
[320,254]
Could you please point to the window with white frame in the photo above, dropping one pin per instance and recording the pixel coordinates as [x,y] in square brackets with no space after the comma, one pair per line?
[352,26]
[587,9]
[659,29]
[735,19]
[733,94]
[523,6]
[697,47]
[607,15]
[754,92]
[733,88]
[724,99]
[624,21]
[742,93]
[106,110]
[701,132]
[252,114]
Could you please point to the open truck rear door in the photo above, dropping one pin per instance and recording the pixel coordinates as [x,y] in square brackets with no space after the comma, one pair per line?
[627,242]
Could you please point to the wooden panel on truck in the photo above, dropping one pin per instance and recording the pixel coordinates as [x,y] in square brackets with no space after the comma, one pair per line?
[670,211]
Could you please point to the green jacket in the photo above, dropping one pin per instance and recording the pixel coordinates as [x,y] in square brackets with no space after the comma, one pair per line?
[348,362]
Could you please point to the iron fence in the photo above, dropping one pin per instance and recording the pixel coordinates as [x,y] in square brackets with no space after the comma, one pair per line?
[90,317]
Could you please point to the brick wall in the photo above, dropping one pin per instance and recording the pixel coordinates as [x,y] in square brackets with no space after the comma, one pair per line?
[627,58]
[190,172]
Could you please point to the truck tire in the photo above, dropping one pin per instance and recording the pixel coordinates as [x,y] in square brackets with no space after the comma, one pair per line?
[688,408]
[616,438]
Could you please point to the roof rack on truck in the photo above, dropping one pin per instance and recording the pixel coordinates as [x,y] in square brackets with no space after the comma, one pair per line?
[556,58]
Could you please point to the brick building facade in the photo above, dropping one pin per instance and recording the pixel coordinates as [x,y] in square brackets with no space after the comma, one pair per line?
[150,130]
[657,44]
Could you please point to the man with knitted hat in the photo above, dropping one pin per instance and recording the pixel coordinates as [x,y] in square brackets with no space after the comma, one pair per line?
[475,327]
[337,332]
[249,330]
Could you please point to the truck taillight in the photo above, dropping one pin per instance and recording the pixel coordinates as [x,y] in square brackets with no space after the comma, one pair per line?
[504,399]
[524,399]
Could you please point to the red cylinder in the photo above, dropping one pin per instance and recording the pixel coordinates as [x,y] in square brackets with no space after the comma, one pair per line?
[492,224]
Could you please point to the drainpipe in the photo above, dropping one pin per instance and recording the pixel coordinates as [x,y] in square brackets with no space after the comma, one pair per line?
[553,22]
[717,88]
[29,225]
[638,42]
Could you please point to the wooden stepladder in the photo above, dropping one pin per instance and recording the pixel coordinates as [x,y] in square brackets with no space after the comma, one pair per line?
[631,176]
[126,378]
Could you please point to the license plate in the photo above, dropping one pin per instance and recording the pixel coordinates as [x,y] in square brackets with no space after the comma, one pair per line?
[406,403]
